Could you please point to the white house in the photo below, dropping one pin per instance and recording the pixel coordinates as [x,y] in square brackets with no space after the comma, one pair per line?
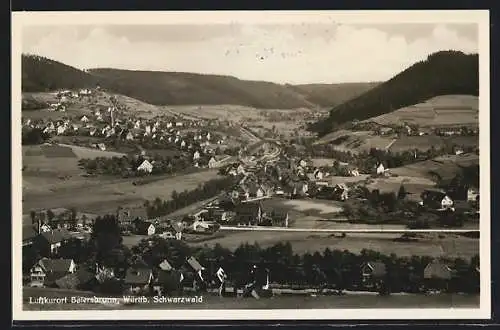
[472,194]
[102,146]
[212,163]
[148,130]
[129,136]
[84,119]
[169,125]
[380,169]
[61,129]
[183,144]
[209,136]
[50,269]
[145,166]
[196,155]
[137,124]
[179,124]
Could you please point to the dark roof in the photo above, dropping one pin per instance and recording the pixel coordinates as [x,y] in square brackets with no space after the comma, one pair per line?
[168,278]
[137,276]
[56,235]
[434,195]
[73,281]
[55,265]
[195,265]
[29,232]
[378,268]
[437,269]
[142,226]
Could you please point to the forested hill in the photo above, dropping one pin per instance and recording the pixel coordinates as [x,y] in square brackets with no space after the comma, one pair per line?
[445,72]
[40,74]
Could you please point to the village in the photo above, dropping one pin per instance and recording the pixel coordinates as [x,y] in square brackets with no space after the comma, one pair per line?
[260,183]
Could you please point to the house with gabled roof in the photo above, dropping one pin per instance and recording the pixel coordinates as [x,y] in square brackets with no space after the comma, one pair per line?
[138,279]
[372,273]
[82,279]
[145,166]
[47,271]
[49,242]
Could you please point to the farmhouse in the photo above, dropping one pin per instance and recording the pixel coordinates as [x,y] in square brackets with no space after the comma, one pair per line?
[340,192]
[248,213]
[372,272]
[138,279]
[79,280]
[220,215]
[145,228]
[46,271]
[380,169]
[49,242]
[29,235]
[437,275]
[165,265]
[437,200]
[145,166]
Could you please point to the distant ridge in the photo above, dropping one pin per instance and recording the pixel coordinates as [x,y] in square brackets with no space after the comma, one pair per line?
[40,74]
[442,73]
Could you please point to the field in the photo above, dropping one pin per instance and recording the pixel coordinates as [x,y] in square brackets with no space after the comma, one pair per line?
[52,178]
[446,166]
[356,141]
[438,111]
[414,185]
[450,245]
[425,142]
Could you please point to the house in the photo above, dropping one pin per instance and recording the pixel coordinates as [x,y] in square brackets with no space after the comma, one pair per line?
[138,279]
[472,195]
[255,191]
[220,215]
[248,213]
[205,226]
[195,266]
[165,265]
[79,280]
[167,282]
[303,163]
[279,218]
[145,228]
[47,271]
[101,146]
[212,163]
[84,119]
[29,235]
[129,136]
[437,275]
[196,155]
[49,242]
[145,166]
[353,172]
[380,169]
[318,174]
[437,270]
[437,200]
[372,273]
[340,192]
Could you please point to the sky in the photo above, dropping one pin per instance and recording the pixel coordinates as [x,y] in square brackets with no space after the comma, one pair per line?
[299,53]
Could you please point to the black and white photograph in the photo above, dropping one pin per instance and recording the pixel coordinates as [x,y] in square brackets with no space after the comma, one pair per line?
[250,165]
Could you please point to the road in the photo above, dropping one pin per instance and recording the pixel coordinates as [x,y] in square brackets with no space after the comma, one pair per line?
[381,229]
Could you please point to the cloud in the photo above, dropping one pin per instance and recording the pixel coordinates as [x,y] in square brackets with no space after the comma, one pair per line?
[339,54]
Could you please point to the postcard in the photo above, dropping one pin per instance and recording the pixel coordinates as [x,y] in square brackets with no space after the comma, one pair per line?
[251,165]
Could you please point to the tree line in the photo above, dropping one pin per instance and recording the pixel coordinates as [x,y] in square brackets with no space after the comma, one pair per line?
[336,269]
[179,200]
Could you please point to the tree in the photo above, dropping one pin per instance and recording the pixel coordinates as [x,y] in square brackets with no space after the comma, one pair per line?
[402,192]
[33,217]
[73,218]
[50,218]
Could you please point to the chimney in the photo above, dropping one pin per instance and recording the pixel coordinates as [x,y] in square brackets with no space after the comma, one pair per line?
[39,225]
